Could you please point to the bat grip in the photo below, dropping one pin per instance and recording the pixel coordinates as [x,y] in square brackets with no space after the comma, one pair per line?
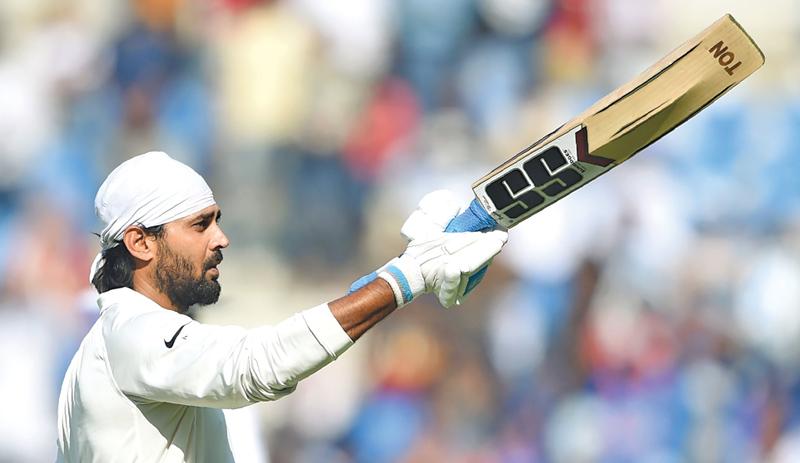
[474,218]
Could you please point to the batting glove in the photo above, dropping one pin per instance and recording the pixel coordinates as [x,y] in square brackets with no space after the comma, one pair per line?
[436,261]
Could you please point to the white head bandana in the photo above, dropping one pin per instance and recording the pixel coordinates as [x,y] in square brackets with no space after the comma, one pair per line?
[147,190]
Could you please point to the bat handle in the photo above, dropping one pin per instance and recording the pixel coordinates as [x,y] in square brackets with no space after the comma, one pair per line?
[474,218]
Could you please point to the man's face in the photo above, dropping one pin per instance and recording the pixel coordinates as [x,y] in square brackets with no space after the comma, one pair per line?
[187,259]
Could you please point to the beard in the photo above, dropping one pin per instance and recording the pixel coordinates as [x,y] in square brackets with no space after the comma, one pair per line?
[175,277]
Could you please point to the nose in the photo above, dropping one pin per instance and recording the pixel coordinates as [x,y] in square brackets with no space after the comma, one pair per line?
[220,239]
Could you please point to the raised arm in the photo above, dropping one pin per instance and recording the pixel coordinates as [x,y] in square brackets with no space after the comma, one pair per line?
[161,356]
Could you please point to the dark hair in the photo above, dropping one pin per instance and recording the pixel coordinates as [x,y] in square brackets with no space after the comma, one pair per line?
[117,269]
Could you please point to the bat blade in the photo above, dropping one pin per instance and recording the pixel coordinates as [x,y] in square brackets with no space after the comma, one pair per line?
[621,124]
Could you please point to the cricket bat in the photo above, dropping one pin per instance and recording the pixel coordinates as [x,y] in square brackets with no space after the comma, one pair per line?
[615,128]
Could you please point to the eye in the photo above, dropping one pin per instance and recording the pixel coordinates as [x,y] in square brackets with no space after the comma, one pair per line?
[201,225]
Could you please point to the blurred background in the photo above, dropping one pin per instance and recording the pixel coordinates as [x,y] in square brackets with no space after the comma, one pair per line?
[653,316]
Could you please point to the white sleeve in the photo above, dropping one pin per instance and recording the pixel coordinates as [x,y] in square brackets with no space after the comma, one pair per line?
[218,366]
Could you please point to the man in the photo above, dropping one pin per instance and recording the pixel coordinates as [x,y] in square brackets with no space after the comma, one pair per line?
[147,383]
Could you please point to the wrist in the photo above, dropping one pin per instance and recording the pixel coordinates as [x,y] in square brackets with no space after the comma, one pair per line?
[404,277]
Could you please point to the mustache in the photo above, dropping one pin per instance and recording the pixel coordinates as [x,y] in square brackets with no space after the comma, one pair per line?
[213,261]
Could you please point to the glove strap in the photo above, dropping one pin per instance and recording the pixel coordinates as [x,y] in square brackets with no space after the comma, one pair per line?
[405,278]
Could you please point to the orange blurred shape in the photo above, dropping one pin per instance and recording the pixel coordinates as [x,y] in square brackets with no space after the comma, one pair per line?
[157,14]
[409,359]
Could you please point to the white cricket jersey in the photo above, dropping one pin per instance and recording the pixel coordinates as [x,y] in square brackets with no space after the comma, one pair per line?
[147,384]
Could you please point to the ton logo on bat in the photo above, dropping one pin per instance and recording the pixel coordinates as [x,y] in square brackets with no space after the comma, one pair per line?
[725,57]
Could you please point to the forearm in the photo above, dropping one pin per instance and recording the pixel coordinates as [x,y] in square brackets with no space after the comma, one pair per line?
[361,310]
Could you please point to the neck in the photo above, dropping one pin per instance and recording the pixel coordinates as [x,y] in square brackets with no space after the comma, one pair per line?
[145,286]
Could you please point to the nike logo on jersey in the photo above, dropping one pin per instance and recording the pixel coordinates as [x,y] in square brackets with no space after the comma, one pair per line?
[174,337]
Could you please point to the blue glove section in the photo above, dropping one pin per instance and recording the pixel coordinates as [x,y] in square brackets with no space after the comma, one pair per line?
[475,218]
[361,282]
[475,279]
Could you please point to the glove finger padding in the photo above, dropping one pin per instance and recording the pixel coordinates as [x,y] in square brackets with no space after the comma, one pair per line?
[455,243]
[432,215]
[451,282]
[475,255]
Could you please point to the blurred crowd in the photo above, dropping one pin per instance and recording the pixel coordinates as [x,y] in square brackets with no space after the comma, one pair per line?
[653,316]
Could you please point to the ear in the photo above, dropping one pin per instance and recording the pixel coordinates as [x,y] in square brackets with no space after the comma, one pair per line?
[139,244]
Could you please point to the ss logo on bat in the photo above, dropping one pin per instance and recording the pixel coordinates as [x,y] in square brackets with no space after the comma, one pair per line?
[521,190]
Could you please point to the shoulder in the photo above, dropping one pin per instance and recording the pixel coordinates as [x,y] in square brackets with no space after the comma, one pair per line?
[131,322]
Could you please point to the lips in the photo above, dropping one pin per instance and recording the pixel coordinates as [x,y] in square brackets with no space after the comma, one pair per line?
[211,264]
[214,261]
